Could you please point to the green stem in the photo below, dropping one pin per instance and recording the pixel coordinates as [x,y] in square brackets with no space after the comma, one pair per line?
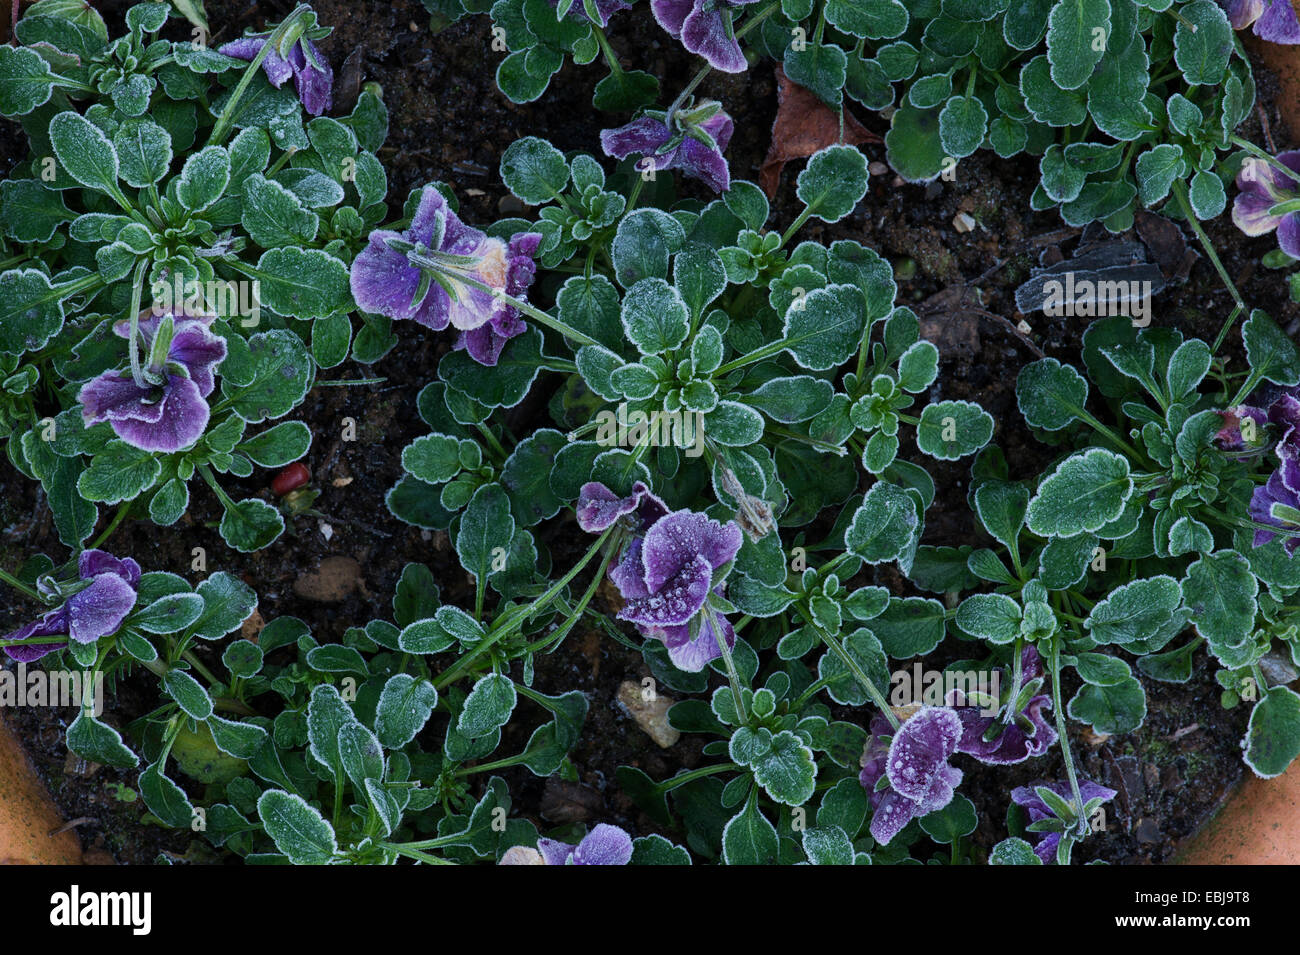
[1180,193]
[837,648]
[222,126]
[122,511]
[1061,731]
[732,676]
[1261,154]
[18,585]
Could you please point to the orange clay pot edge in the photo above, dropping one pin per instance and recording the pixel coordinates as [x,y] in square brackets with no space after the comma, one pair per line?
[27,813]
[1258,824]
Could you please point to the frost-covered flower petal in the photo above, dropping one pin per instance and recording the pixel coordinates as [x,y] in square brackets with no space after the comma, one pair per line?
[598,507]
[914,764]
[604,845]
[51,624]
[1028,798]
[313,76]
[704,27]
[387,281]
[1020,735]
[177,409]
[648,136]
[693,655]
[1262,186]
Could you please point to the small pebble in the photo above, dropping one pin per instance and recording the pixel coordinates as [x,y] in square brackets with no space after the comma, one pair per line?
[877,168]
[651,715]
[964,222]
[332,581]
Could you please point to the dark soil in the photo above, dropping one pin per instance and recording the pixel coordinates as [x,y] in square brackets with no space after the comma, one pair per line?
[449,123]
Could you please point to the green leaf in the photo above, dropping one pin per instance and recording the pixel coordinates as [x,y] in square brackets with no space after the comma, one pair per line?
[645,241]
[1270,351]
[84,152]
[1156,171]
[1083,493]
[298,830]
[913,146]
[748,838]
[164,798]
[787,771]
[251,525]
[991,617]
[945,826]
[30,211]
[486,530]
[733,424]
[1203,42]
[118,473]
[1207,195]
[918,367]
[74,517]
[827,846]
[227,603]
[953,429]
[655,317]
[874,20]
[824,328]
[302,283]
[170,614]
[488,706]
[279,375]
[820,68]
[833,182]
[910,627]
[962,126]
[790,400]
[625,90]
[144,152]
[1120,708]
[26,81]
[275,447]
[31,310]
[1137,611]
[534,170]
[506,383]
[1013,851]
[273,216]
[1049,394]
[433,458]
[1273,737]
[188,692]
[405,705]
[204,178]
[100,743]
[1001,509]
[1077,34]
[1220,590]
[885,527]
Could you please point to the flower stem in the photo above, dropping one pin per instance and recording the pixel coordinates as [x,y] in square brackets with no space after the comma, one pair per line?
[1261,154]
[122,511]
[1180,193]
[837,648]
[1061,731]
[18,585]
[222,126]
[732,676]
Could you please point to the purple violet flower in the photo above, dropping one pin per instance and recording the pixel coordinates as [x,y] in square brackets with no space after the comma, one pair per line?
[1022,735]
[915,765]
[416,275]
[305,63]
[599,507]
[1028,798]
[695,148]
[667,571]
[1277,502]
[1262,188]
[704,27]
[1275,20]
[604,845]
[101,597]
[164,408]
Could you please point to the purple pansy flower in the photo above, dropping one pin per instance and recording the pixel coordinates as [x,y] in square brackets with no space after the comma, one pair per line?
[604,845]
[915,765]
[101,598]
[665,577]
[1262,187]
[1282,489]
[664,148]
[599,507]
[1275,20]
[1027,797]
[165,407]
[305,63]
[1021,735]
[414,275]
[704,27]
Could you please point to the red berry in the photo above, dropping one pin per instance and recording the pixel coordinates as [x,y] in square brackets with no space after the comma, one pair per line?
[290,479]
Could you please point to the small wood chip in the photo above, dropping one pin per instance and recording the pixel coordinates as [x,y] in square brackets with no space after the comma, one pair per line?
[650,714]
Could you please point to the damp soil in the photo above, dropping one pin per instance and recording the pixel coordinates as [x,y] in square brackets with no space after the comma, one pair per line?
[448,122]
